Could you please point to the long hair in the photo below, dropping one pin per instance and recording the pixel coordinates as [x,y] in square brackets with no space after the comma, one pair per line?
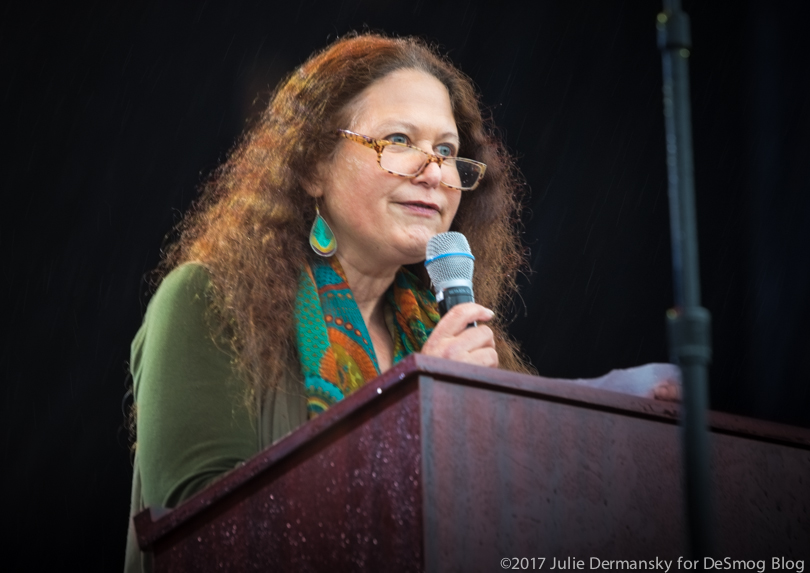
[250,227]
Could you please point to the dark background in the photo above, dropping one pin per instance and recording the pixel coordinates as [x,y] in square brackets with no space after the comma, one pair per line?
[115,112]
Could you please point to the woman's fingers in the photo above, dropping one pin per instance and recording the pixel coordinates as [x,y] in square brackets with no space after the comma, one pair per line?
[470,339]
[667,390]
[452,339]
[484,357]
[460,316]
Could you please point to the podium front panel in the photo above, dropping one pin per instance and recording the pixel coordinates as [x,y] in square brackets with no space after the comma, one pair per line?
[349,500]
[508,474]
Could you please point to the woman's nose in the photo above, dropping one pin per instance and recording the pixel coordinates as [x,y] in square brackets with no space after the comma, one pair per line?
[431,175]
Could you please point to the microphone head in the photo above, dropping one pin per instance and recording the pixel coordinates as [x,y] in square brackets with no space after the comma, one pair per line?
[449,261]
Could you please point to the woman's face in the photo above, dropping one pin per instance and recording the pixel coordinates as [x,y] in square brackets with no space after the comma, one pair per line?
[382,221]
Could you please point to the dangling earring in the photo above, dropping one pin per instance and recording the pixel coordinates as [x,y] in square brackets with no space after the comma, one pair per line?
[321,238]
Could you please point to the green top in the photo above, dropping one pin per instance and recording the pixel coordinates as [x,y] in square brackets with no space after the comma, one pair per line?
[193,423]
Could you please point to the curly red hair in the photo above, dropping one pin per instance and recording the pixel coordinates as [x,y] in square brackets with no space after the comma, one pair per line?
[251,224]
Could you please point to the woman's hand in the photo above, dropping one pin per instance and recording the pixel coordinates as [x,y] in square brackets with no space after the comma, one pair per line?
[667,390]
[452,339]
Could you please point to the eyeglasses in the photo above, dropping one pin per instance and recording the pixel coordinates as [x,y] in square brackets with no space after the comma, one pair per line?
[409,161]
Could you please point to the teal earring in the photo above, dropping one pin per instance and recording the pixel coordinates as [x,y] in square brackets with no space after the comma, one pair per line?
[321,238]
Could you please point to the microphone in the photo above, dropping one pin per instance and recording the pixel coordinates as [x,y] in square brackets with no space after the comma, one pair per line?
[449,264]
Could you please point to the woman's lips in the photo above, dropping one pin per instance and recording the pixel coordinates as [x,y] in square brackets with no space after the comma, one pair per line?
[421,207]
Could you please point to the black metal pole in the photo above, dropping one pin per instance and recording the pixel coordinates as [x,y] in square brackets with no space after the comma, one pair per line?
[689,324]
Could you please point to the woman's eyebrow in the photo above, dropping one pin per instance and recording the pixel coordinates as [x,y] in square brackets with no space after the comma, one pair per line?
[410,127]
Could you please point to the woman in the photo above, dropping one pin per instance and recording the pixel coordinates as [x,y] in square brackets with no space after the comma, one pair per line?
[359,159]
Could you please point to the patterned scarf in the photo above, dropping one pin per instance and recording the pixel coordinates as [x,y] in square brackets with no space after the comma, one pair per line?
[334,348]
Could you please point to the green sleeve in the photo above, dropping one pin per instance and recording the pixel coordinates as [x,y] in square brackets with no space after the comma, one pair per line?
[192,423]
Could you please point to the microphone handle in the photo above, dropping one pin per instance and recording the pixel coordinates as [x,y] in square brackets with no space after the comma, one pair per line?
[453,296]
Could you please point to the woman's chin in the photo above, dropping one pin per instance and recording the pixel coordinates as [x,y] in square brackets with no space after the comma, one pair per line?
[405,248]
[415,253]
[408,255]
[418,238]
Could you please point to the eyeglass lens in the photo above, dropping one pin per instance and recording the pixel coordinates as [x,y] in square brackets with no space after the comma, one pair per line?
[408,161]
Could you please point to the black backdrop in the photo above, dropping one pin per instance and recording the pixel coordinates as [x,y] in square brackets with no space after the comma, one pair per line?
[114,113]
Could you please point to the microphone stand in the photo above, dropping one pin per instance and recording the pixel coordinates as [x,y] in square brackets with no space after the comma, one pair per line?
[689,324]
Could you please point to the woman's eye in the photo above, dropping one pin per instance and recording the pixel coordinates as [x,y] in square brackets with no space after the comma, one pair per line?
[445,150]
[398,138]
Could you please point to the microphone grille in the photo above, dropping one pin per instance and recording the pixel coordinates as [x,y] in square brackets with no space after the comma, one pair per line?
[457,262]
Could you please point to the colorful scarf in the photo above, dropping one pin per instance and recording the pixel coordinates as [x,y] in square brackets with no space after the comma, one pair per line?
[334,348]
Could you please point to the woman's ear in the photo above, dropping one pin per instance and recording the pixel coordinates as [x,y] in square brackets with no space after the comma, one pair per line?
[313,186]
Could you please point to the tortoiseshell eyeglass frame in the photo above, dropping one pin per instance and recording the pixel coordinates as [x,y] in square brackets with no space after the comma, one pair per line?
[379,145]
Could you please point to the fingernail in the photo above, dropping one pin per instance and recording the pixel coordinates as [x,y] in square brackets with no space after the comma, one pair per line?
[491,313]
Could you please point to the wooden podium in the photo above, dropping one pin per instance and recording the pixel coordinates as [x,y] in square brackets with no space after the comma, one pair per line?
[439,466]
